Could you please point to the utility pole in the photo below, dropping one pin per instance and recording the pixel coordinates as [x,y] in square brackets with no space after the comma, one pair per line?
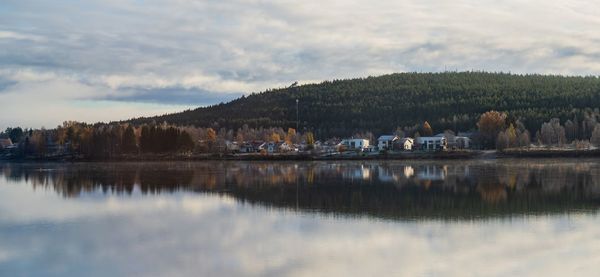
[297,114]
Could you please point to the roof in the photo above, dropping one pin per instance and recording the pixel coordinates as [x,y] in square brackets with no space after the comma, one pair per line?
[431,138]
[350,139]
[403,140]
[387,137]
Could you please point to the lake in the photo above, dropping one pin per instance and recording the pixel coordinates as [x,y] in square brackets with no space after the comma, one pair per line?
[334,218]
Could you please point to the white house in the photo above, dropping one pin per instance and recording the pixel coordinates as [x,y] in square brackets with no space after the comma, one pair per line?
[370,149]
[456,142]
[270,147]
[285,147]
[247,147]
[386,142]
[460,143]
[432,143]
[353,144]
[404,144]
[232,146]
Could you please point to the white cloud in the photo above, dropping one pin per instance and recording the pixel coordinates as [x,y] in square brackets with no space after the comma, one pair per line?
[48,103]
[242,46]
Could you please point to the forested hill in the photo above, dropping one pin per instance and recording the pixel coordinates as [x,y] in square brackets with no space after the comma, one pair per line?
[452,100]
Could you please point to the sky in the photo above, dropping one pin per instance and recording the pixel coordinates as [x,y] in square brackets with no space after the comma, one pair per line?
[103,60]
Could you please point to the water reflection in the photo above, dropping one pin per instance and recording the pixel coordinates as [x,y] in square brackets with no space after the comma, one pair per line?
[385,189]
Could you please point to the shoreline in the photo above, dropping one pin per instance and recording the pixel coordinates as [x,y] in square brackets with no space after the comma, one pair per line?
[445,155]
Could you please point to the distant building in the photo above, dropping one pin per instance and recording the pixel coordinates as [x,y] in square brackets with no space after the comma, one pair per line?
[232,146]
[471,139]
[370,149]
[355,144]
[386,142]
[404,144]
[328,146]
[459,143]
[436,143]
[285,147]
[269,147]
[248,147]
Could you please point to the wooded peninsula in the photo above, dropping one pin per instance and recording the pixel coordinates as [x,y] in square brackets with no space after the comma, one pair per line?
[400,114]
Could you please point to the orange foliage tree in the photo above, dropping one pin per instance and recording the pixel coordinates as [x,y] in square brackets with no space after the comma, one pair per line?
[490,124]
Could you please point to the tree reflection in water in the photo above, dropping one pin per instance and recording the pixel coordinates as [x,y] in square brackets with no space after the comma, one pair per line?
[386,189]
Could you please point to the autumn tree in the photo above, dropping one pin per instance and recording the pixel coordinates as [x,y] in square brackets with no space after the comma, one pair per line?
[524,139]
[502,141]
[511,134]
[275,137]
[291,136]
[211,138]
[426,129]
[490,124]
[570,130]
[552,133]
[38,140]
[129,140]
[185,142]
[310,140]
[595,138]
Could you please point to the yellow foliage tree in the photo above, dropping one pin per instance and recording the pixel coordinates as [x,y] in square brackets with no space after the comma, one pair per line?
[291,134]
[511,133]
[275,137]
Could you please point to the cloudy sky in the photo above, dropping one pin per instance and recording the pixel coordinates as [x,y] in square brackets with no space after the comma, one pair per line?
[101,60]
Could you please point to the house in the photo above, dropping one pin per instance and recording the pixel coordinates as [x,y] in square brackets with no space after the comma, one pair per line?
[404,144]
[471,139]
[370,149]
[456,142]
[436,143]
[5,143]
[286,147]
[459,143]
[248,147]
[328,146]
[354,144]
[269,147]
[232,146]
[386,142]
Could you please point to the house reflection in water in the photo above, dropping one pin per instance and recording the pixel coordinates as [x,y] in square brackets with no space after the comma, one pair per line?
[432,172]
[409,171]
[361,172]
[399,189]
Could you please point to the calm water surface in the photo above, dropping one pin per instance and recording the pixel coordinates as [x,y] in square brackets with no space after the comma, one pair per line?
[407,218]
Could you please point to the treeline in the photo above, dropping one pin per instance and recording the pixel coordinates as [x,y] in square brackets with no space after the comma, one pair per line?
[98,140]
[101,141]
[493,129]
[451,100]
[497,128]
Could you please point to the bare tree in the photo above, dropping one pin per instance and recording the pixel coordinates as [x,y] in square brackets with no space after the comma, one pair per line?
[595,139]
